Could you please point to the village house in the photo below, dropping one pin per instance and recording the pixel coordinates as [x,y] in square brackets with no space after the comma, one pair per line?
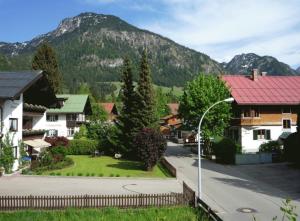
[171,123]
[24,98]
[111,110]
[66,120]
[265,108]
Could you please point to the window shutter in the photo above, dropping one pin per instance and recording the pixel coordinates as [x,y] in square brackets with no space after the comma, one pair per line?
[268,132]
[255,134]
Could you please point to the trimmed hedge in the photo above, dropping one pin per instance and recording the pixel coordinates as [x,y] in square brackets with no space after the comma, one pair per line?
[225,150]
[81,147]
[271,147]
[292,148]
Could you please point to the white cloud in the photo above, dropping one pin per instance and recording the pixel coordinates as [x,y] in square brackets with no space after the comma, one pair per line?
[223,28]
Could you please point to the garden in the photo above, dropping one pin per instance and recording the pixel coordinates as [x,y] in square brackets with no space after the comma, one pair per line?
[166,214]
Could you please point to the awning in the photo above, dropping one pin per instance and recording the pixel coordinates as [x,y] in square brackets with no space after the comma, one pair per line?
[37,144]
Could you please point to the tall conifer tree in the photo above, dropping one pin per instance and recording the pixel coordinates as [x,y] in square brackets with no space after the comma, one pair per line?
[127,121]
[145,103]
[45,59]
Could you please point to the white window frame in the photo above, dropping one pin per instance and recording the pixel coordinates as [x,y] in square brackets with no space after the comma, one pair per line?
[13,124]
[51,134]
[70,131]
[52,117]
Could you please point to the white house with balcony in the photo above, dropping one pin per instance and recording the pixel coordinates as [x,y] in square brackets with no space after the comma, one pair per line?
[24,98]
[66,120]
[265,108]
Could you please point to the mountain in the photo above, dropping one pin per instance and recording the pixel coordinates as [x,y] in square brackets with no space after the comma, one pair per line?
[244,63]
[298,70]
[91,47]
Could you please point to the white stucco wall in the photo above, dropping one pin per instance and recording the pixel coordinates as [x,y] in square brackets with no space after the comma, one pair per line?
[250,145]
[60,126]
[39,122]
[13,109]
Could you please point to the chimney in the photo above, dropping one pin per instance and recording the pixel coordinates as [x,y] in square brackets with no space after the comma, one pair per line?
[264,73]
[255,74]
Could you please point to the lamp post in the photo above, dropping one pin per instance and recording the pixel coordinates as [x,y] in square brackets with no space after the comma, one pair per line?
[229,100]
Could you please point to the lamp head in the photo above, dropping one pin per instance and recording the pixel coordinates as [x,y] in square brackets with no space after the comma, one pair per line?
[229,100]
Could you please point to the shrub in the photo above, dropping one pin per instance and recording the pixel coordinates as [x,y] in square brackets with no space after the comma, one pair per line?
[81,147]
[271,147]
[225,150]
[100,174]
[58,153]
[150,145]
[292,148]
[57,141]
[82,132]
[6,154]
[79,174]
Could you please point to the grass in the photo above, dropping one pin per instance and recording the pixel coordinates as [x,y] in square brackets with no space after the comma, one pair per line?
[109,214]
[105,166]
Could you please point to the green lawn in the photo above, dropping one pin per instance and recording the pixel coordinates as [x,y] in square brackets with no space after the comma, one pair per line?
[110,214]
[107,167]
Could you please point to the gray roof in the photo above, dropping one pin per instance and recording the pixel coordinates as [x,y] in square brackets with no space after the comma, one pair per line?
[12,84]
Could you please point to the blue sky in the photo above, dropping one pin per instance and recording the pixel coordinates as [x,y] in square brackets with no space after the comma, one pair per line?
[219,28]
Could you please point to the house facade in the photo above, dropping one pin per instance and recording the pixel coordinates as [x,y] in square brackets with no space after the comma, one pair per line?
[265,108]
[18,108]
[66,120]
[111,110]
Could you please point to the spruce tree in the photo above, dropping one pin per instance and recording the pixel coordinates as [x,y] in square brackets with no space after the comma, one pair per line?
[145,103]
[127,121]
[45,59]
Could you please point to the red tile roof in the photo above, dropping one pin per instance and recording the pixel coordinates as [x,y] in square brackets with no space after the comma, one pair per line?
[268,90]
[173,108]
[108,107]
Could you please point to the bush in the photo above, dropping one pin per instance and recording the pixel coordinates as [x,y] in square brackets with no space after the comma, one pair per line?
[82,134]
[271,147]
[292,148]
[58,153]
[6,154]
[150,145]
[81,147]
[225,150]
[57,141]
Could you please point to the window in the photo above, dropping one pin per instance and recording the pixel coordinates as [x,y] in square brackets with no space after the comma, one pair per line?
[247,113]
[261,134]
[13,124]
[52,133]
[234,134]
[52,117]
[256,112]
[236,114]
[286,110]
[71,117]
[286,123]
[70,132]
[15,152]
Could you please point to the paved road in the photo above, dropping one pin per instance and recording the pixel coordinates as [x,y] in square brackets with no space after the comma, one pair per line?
[228,188]
[37,185]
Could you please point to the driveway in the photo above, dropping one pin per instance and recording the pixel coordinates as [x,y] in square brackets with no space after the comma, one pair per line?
[228,188]
[41,185]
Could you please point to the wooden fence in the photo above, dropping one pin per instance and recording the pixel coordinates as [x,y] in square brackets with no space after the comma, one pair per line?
[91,201]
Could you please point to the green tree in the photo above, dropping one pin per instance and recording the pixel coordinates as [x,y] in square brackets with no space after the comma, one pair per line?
[6,154]
[127,120]
[161,101]
[45,59]
[198,96]
[145,102]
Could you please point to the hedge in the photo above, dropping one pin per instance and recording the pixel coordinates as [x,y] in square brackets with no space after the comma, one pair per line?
[81,147]
[225,150]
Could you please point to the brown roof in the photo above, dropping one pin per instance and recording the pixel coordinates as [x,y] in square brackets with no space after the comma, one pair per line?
[173,108]
[108,107]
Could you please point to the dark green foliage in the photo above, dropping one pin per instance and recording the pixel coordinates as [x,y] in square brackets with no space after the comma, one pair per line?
[53,166]
[45,59]
[6,154]
[225,150]
[199,95]
[292,148]
[271,147]
[106,136]
[81,147]
[82,134]
[145,103]
[150,146]
[59,153]
[128,123]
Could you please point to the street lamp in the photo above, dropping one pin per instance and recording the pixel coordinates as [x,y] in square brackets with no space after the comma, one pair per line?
[229,100]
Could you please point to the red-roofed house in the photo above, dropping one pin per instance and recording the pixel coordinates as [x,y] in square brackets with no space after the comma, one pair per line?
[265,108]
[111,110]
